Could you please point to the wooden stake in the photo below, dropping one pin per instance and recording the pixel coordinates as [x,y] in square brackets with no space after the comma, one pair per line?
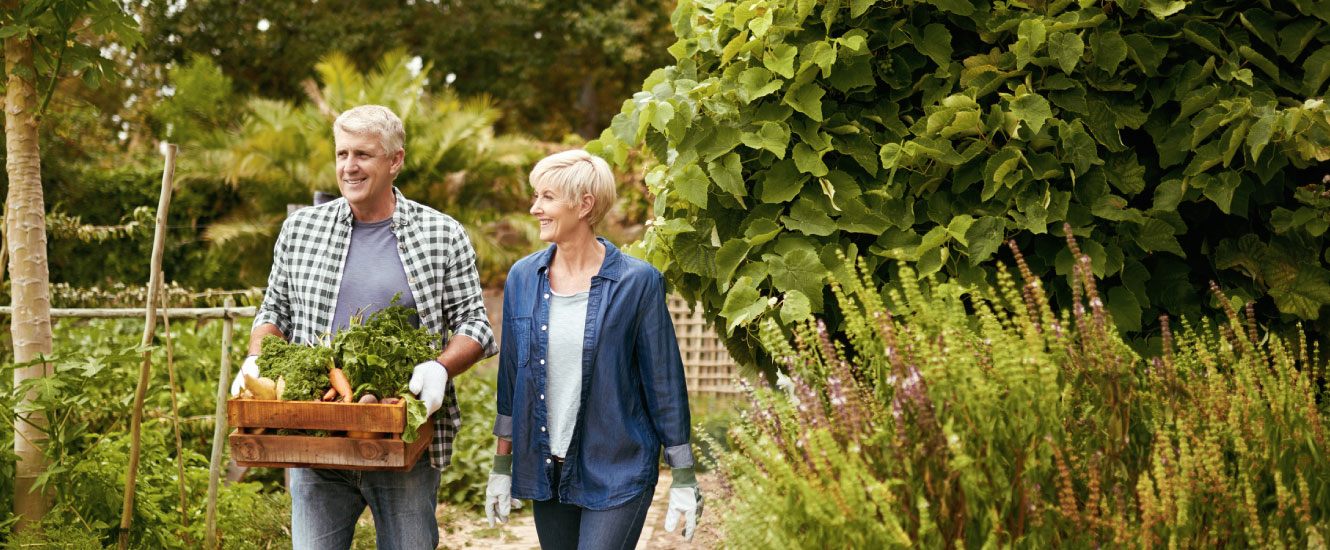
[175,403]
[219,426]
[150,324]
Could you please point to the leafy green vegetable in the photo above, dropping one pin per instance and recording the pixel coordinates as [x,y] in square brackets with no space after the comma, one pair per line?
[416,414]
[378,356]
[305,368]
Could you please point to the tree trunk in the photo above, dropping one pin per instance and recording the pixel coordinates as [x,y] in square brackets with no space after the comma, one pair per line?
[25,231]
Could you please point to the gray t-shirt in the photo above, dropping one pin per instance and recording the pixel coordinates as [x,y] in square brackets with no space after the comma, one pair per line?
[563,381]
[372,275]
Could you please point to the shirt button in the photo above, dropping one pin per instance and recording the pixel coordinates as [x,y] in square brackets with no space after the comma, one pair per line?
[543,327]
[542,428]
[542,397]
[547,296]
[542,361]
[411,280]
[547,461]
[401,246]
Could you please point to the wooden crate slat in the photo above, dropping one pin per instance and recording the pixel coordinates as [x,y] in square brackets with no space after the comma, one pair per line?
[298,451]
[316,415]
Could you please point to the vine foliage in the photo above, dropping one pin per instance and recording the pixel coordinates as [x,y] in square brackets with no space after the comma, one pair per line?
[1174,137]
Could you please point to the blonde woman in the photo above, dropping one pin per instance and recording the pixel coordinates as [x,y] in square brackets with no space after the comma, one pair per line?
[591,386]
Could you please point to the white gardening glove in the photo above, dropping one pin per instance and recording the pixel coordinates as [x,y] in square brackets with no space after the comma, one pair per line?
[685,500]
[499,493]
[430,382]
[250,367]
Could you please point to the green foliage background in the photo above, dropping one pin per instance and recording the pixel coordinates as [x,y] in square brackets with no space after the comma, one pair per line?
[1180,140]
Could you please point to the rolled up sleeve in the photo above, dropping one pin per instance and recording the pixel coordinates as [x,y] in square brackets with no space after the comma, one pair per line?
[503,420]
[657,355]
[276,307]
[462,299]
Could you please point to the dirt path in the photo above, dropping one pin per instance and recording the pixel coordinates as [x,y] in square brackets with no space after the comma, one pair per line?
[470,530]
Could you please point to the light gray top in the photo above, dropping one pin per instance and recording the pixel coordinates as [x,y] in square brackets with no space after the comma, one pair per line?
[372,275]
[563,381]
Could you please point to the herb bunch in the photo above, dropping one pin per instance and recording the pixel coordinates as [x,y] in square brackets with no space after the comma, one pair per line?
[379,354]
[305,368]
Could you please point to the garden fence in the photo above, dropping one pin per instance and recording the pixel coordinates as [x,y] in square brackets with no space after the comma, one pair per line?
[707,366]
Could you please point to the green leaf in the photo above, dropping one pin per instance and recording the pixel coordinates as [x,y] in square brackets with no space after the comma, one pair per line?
[664,113]
[1109,50]
[1255,57]
[1033,110]
[1316,69]
[985,237]
[1167,195]
[742,304]
[1126,173]
[795,307]
[728,174]
[771,136]
[1260,24]
[1260,134]
[932,261]
[1205,35]
[692,185]
[1124,307]
[1001,171]
[1079,149]
[936,44]
[757,82]
[1144,52]
[1067,48]
[1295,37]
[798,269]
[959,7]
[807,99]
[728,258]
[761,231]
[782,182]
[805,217]
[856,217]
[1220,189]
[1164,8]
[808,160]
[1031,34]
[958,226]
[1157,236]
[694,253]
[822,54]
[780,59]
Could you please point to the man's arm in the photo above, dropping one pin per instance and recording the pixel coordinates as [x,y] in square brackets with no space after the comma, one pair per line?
[461,353]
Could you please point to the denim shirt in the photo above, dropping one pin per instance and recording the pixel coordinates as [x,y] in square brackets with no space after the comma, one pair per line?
[634,397]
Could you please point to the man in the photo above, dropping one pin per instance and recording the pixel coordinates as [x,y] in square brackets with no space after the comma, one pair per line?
[352,254]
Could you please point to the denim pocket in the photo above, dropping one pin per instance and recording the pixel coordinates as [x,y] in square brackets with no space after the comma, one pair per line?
[519,329]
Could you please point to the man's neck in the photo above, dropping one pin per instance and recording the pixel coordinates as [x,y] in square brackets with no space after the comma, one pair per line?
[375,213]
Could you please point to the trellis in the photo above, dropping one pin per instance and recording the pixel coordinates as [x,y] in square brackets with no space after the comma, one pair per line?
[707,365]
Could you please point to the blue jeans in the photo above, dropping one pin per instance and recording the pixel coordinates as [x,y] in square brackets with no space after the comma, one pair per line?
[325,505]
[562,526]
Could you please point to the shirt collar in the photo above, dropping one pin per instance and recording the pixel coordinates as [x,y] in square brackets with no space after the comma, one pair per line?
[610,268]
[403,212]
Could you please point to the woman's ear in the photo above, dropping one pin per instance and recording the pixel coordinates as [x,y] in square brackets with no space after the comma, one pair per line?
[587,205]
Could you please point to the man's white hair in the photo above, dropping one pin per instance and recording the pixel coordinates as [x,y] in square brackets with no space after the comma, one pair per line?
[374,119]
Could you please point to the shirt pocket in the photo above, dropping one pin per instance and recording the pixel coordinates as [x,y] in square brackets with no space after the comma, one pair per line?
[519,330]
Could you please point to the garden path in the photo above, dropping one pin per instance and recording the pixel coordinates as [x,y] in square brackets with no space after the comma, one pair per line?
[473,532]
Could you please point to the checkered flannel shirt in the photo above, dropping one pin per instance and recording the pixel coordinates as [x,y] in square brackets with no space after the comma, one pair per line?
[440,268]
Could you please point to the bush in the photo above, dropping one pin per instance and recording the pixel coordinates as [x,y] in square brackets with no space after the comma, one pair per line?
[1175,137]
[990,420]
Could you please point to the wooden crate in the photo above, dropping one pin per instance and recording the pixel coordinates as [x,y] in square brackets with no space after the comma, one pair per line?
[707,365]
[381,449]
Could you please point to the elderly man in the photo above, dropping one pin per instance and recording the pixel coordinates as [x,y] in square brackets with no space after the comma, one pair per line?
[354,254]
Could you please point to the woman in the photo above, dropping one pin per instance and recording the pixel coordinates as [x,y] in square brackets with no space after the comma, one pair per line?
[591,386]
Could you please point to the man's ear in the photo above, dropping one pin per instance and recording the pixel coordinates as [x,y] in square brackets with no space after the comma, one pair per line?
[398,159]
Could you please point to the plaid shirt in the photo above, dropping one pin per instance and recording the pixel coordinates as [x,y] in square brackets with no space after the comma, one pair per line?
[440,268]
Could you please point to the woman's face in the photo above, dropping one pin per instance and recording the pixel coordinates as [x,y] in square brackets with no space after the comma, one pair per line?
[559,218]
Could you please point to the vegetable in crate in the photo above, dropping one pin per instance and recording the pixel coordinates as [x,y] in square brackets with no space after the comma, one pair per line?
[378,356]
[304,368]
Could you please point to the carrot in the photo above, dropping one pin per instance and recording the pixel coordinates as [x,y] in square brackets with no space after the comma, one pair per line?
[330,394]
[340,383]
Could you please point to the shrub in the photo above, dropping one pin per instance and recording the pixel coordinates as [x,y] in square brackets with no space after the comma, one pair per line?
[1174,137]
[991,420]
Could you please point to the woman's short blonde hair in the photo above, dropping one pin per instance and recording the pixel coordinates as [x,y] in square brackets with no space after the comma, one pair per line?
[575,173]
[377,120]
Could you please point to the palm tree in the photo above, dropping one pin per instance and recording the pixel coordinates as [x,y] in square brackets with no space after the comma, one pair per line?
[283,152]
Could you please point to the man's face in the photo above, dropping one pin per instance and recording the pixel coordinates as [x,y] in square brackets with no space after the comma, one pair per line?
[365,174]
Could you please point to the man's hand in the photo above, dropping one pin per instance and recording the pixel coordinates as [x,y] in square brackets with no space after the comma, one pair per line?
[430,383]
[686,501]
[250,367]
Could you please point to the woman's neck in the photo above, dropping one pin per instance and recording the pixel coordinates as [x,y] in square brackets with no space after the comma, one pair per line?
[574,263]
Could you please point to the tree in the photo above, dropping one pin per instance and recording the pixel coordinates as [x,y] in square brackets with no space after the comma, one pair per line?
[41,39]
[1177,139]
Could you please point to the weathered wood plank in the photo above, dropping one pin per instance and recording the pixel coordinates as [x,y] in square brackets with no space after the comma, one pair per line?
[298,451]
[316,415]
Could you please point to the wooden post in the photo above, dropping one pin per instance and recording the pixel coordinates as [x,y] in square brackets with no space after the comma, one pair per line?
[150,325]
[175,402]
[219,426]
